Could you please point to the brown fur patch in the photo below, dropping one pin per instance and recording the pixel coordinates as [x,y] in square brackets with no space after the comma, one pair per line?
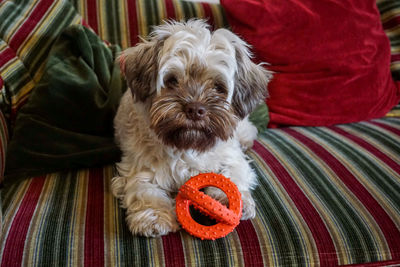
[174,128]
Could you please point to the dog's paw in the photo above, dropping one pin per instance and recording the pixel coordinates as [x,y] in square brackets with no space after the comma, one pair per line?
[152,223]
[249,206]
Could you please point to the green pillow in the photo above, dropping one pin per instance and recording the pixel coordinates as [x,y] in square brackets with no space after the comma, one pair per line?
[68,120]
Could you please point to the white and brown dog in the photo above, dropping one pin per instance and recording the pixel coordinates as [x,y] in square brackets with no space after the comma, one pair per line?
[191,91]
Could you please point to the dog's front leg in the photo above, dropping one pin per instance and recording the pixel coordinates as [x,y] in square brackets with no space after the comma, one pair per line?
[241,174]
[149,209]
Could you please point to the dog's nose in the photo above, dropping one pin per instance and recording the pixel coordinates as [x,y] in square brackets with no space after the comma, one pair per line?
[195,111]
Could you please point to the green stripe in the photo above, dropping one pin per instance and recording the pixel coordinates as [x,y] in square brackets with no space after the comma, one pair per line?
[151,14]
[112,27]
[10,13]
[189,10]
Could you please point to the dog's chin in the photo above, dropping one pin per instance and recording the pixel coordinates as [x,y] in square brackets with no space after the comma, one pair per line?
[188,138]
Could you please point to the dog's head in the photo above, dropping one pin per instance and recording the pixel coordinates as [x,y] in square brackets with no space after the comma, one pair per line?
[195,83]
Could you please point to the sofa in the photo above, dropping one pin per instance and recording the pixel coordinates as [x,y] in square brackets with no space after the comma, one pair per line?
[327,195]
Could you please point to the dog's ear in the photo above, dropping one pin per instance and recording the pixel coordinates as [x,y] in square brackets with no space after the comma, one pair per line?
[251,80]
[139,64]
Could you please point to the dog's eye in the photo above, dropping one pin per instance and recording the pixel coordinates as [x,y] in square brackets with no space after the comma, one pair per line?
[220,88]
[171,81]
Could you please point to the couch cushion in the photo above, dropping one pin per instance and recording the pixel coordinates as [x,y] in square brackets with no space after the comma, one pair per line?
[327,196]
[331,59]
[68,120]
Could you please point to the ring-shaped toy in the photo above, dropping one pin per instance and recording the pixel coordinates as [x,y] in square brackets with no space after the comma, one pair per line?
[227,218]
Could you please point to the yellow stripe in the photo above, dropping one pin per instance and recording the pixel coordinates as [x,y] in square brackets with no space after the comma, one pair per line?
[124,26]
[218,16]
[178,10]
[393,32]
[162,10]
[102,19]
[141,17]
[388,15]
[395,66]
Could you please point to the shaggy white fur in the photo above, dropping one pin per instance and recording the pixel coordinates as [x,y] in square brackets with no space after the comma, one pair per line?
[151,171]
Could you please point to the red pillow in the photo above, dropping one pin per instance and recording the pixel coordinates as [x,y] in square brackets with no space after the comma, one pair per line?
[331,58]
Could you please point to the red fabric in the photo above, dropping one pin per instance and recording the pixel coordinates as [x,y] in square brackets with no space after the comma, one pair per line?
[331,58]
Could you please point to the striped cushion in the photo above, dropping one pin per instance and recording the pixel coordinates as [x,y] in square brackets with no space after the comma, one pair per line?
[327,196]
[27,30]
[390,16]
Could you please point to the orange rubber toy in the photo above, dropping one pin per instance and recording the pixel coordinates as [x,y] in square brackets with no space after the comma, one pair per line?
[227,218]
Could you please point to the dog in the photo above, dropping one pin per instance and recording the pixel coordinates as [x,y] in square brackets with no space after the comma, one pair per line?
[186,112]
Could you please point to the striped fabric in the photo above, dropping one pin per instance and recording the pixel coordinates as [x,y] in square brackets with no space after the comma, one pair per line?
[327,196]
[390,16]
[124,28]
[27,30]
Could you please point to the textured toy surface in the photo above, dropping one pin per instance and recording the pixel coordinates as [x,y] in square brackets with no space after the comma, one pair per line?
[190,194]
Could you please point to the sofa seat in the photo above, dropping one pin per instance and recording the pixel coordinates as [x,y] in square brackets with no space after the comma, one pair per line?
[327,196]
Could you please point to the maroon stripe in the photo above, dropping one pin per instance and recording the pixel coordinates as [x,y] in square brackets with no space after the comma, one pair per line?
[169,6]
[395,57]
[15,244]
[386,127]
[6,55]
[250,245]
[94,232]
[91,8]
[208,15]
[133,22]
[326,248]
[386,225]
[393,22]
[367,146]
[26,28]
[173,250]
